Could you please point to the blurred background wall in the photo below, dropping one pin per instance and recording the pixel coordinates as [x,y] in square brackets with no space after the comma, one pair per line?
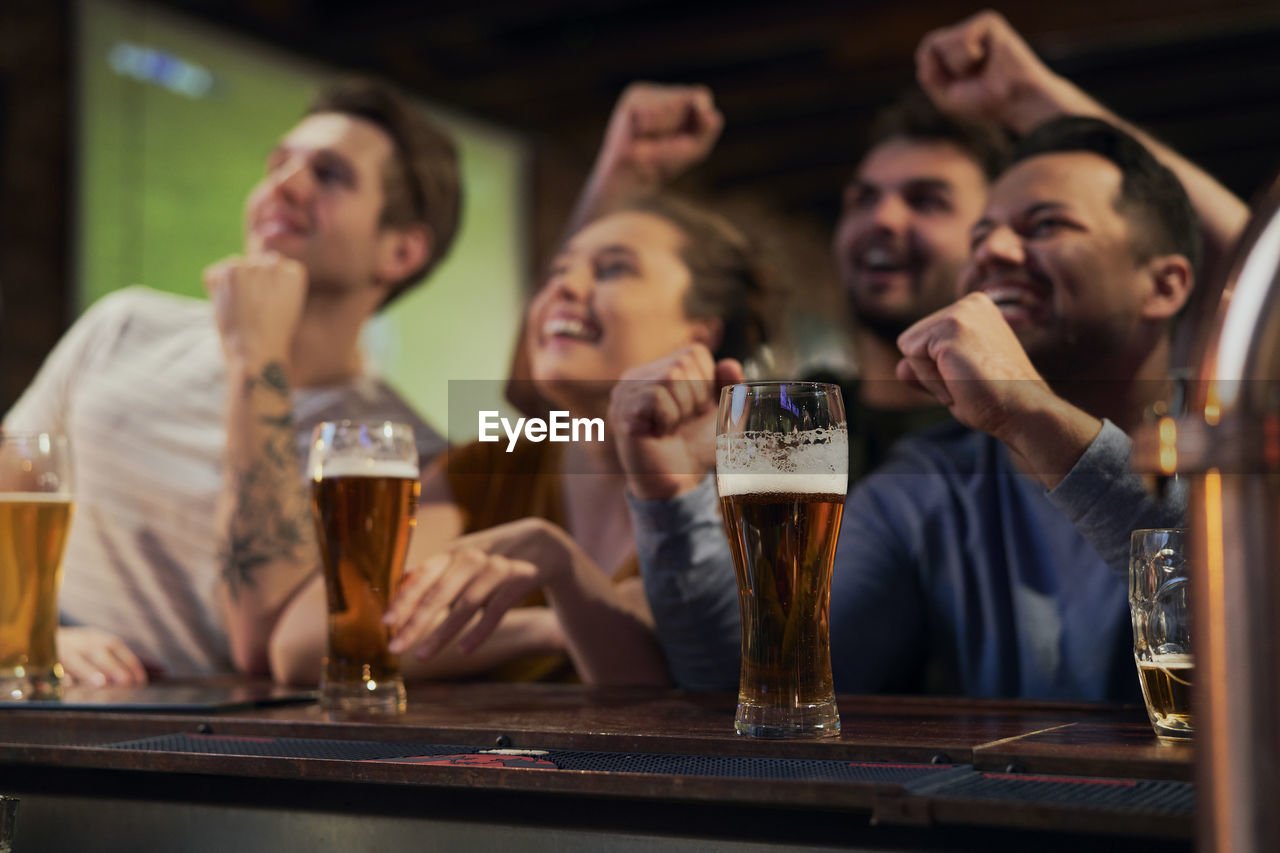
[130,132]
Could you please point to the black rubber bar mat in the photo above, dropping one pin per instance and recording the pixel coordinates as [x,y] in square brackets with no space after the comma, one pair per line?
[556,759]
[1135,795]
[932,780]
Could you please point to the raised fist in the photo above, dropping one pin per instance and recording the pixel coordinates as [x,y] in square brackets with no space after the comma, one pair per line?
[657,132]
[982,69]
[662,416]
[257,301]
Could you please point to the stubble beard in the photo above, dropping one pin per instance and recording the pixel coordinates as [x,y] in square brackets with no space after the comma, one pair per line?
[1072,357]
[888,324]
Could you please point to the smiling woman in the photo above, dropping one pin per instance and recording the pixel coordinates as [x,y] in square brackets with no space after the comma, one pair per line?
[634,286]
[523,562]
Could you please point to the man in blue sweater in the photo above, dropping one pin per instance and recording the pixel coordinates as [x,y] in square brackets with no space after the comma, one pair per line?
[988,557]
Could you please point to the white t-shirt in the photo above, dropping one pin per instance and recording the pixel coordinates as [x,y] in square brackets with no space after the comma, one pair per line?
[138,385]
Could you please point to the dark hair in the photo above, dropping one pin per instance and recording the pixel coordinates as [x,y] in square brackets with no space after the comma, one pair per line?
[914,117]
[728,280]
[421,184]
[1150,193]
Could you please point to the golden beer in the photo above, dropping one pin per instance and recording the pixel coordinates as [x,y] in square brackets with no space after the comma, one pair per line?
[363,525]
[33,532]
[783,546]
[1166,688]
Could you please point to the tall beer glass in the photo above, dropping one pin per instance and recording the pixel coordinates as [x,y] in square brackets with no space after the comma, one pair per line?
[782,470]
[364,493]
[35,515]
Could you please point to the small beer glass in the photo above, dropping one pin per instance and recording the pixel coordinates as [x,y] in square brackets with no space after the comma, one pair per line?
[35,515]
[1160,604]
[782,470]
[364,494]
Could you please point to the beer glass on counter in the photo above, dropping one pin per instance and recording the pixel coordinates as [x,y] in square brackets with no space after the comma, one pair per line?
[364,493]
[35,515]
[782,463]
[1160,604]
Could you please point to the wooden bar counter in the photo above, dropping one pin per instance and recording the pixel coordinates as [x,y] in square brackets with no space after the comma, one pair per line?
[561,767]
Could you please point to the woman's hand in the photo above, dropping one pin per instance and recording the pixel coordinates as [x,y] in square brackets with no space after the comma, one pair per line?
[97,658]
[460,596]
[476,580]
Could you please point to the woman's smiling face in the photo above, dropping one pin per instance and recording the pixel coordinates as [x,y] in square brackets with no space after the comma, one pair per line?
[614,300]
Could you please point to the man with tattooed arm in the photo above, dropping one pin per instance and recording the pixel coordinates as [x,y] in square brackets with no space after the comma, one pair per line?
[189,420]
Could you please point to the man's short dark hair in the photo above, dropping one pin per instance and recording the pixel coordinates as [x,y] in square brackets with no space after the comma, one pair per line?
[421,185]
[913,117]
[1150,194]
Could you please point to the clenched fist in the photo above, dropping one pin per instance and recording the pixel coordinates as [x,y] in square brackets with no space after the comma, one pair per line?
[982,69]
[657,132]
[662,416]
[258,302]
[968,357]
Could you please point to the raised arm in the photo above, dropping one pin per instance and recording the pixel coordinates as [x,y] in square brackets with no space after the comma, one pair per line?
[269,546]
[655,134]
[981,68]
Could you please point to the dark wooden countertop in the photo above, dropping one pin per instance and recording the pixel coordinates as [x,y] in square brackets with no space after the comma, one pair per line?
[996,740]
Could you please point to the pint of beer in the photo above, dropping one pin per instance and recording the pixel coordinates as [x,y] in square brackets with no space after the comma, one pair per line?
[35,515]
[1160,604]
[782,462]
[364,494]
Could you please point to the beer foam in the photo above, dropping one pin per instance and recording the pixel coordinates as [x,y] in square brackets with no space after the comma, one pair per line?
[812,462]
[1171,661]
[36,497]
[347,467]
[799,484]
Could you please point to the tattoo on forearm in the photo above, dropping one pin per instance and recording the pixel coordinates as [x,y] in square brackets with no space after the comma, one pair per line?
[271,520]
[284,421]
[277,456]
[273,378]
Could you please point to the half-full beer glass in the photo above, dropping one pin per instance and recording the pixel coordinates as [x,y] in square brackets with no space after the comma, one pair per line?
[364,492]
[35,515]
[1160,604]
[782,469]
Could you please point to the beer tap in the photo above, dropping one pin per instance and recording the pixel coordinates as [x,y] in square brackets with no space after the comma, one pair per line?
[1228,444]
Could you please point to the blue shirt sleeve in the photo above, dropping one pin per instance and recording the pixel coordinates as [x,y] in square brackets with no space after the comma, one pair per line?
[1106,501]
[689,580]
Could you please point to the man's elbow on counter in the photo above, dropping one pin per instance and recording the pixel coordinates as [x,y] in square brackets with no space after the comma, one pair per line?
[248,662]
[293,662]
